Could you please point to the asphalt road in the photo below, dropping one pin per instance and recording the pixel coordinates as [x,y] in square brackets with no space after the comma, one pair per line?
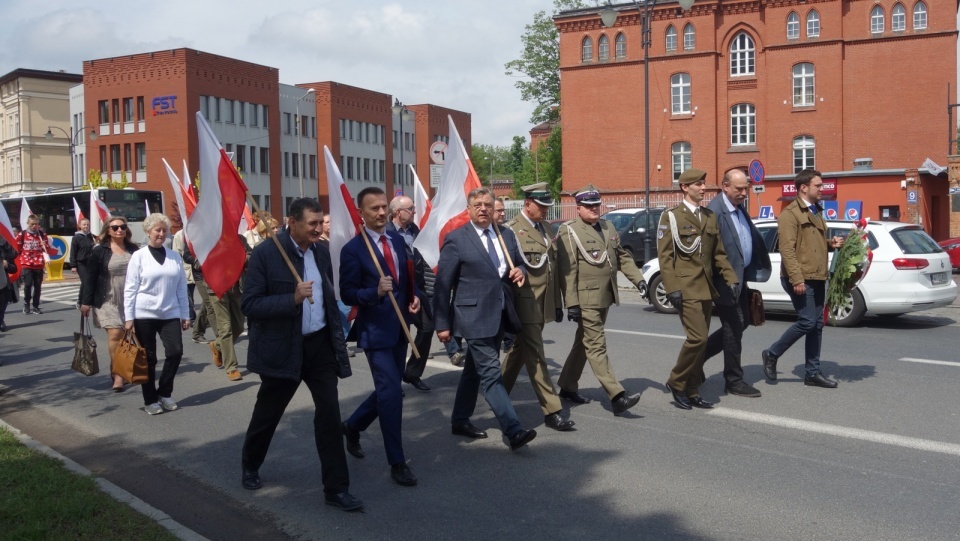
[876,458]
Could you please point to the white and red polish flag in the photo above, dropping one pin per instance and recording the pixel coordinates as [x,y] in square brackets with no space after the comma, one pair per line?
[99,213]
[420,200]
[25,213]
[212,228]
[344,219]
[184,207]
[77,213]
[6,229]
[450,204]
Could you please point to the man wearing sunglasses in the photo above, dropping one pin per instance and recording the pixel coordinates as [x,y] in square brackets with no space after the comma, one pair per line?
[589,258]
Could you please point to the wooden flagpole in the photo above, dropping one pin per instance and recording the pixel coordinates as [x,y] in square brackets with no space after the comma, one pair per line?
[393,299]
[503,245]
[269,233]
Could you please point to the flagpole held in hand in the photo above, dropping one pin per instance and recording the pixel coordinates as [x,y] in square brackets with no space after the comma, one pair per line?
[393,300]
[269,233]
[503,245]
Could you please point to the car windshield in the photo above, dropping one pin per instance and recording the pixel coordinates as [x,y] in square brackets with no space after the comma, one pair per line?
[913,240]
[620,220]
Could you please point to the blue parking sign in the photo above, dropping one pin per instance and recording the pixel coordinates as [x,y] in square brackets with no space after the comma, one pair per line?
[766,212]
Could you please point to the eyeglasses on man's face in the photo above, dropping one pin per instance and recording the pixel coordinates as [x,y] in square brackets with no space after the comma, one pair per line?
[411,210]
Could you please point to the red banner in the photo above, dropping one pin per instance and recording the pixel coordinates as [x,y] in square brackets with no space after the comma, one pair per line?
[829,189]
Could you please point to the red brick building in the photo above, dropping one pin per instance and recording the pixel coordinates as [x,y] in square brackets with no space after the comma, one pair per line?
[793,84]
[432,126]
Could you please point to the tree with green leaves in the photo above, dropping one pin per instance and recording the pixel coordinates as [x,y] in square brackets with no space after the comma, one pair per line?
[95,179]
[543,163]
[489,159]
[540,63]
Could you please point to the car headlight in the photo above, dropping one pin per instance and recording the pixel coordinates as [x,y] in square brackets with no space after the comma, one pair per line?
[949,247]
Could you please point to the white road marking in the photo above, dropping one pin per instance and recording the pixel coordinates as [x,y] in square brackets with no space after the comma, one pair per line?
[653,334]
[841,431]
[929,361]
[443,365]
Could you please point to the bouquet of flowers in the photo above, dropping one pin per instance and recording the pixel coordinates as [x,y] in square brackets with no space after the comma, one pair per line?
[850,264]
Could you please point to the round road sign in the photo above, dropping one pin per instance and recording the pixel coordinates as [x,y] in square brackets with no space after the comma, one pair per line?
[438,152]
[756,172]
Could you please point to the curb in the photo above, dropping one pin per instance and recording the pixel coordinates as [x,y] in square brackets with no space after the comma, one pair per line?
[164,520]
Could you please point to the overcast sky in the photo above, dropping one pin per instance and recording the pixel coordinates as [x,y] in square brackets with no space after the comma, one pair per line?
[449,53]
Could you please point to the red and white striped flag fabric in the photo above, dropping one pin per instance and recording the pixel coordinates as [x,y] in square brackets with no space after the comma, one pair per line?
[420,200]
[212,229]
[248,222]
[25,213]
[450,204]
[77,213]
[344,219]
[6,229]
[183,208]
[99,213]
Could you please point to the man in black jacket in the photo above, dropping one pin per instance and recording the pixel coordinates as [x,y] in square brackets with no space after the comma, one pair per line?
[293,340]
[80,249]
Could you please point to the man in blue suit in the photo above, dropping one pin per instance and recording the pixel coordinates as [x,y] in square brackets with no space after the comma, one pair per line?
[748,256]
[472,297]
[378,330]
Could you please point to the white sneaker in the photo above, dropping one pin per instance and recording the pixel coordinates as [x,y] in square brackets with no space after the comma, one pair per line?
[168,404]
[153,409]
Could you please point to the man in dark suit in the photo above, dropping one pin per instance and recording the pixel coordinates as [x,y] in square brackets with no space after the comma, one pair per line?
[471,295]
[380,333]
[80,249]
[292,340]
[748,256]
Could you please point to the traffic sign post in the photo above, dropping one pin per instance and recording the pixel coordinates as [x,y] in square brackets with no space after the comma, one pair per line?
[756,171]
[438,152]
[55,264]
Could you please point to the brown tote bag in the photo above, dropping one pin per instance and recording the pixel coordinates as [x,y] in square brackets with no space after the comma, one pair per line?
[758,315]
[130,359]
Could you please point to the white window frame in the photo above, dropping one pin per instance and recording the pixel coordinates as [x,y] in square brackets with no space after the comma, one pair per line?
[793,25]
[620,43]
[804,84]
[920,16]
[680,94]
[804,153]
[689,37]
[898,18]
[742,56]
[813,24]
[876,20]
[682,158]
[586,50]
[670,38]
[603,48]
[743,125]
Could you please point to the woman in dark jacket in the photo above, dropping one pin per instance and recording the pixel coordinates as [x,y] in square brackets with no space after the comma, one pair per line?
[106,271]
[8,264]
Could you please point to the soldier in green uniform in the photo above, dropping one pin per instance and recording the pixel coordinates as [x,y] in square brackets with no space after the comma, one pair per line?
[689,246]
[538,301]
[589,256]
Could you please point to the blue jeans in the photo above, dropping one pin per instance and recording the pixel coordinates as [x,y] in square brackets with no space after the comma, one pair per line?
[482,367]
[809,325]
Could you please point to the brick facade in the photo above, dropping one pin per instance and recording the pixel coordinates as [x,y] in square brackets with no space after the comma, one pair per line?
[432,125]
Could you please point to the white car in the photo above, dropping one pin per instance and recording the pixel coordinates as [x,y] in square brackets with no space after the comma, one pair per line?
[909,273]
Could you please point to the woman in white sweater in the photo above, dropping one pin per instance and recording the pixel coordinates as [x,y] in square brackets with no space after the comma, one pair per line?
[155,303]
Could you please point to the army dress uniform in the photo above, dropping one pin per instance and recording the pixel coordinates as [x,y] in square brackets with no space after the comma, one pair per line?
[689,247]
[589,258]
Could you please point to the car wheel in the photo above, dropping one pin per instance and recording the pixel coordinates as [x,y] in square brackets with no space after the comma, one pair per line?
[850,313]
[658,297]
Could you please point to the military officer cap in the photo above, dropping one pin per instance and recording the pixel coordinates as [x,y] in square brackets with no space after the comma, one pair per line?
[540,193]
[587,196]
[692,175]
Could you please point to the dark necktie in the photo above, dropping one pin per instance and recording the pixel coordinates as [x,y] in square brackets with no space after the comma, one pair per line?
[494,258]
[388,255]
[539,227]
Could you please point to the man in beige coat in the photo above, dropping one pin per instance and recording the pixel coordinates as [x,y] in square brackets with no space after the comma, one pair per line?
[589,257]
[689,248]
[538,300]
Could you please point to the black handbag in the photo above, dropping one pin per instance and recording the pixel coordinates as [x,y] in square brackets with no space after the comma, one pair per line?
[85,350]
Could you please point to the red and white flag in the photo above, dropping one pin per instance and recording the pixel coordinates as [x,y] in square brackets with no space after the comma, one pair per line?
[450,204]
[78,214]
[99,213]
[248,222]
[183,207]
[25,213]
[212,229]
[344,218]
[6,229]
[420,200]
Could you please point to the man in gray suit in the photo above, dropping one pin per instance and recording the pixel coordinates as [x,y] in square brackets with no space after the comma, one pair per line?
[473,291]
[749,258]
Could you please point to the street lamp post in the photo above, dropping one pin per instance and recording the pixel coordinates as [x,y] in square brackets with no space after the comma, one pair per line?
[72,138]
[401,111]
[609,17]
[299,133]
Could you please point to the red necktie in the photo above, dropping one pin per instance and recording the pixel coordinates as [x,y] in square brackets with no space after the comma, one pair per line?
[388,255]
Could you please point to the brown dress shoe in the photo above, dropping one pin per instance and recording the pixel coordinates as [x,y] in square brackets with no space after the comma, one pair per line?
[217,357]
[234,375]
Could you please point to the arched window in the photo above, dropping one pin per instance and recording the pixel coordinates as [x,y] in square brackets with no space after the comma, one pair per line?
[804,152]
[682,158]
[621,43]
[742,55]
[876,20]
[803,85]
[919,16]
[898,18]
[793,25]
[743,125]
[689,37]
[671,38]
[813,24]
[586,50]
[680,94]
[603,44]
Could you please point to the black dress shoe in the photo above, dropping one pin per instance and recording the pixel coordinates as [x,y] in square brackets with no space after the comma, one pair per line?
[558,423]
[574,396]
[698,402]
[343,500]
[820,381]
[743,389]
[250,479]
[680,400]
[417,383]
[402,475]
[352,438]
[522,438]
[769,365]
[468,430]
[624,402]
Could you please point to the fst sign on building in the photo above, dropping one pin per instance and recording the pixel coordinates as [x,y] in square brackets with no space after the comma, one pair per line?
[164,105]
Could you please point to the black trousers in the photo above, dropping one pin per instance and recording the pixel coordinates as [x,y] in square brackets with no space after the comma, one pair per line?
[193,311]
[728,338]
[424,340]
[81,272]
[319,372]
[172,338]
[32,280]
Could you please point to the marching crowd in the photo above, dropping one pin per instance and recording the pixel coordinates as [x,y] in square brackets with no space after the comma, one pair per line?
[496,281]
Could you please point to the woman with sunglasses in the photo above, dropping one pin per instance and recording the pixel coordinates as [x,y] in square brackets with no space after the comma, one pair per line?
[106,272]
